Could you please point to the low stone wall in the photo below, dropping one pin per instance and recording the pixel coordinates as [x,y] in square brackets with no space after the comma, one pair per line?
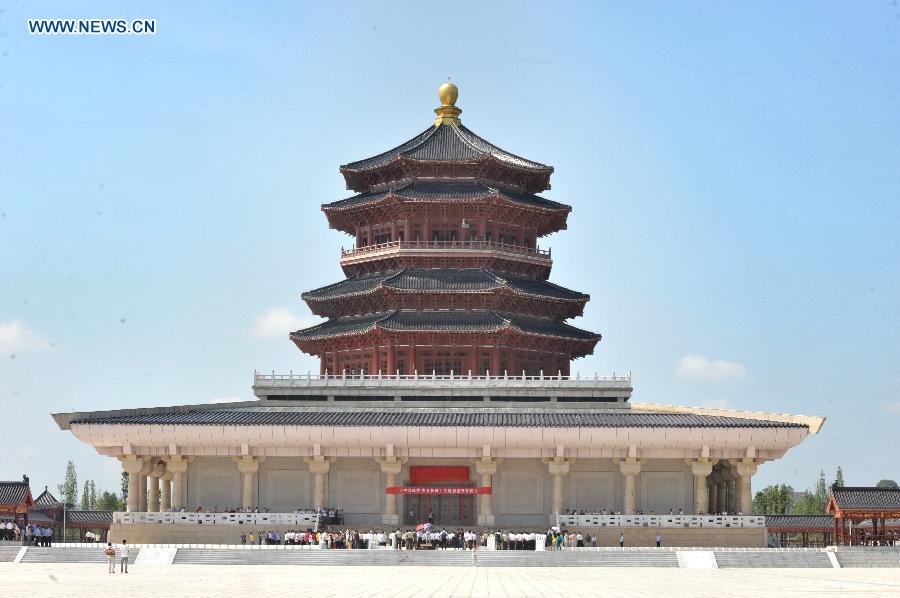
[732,537]
[149,533]
[608,536]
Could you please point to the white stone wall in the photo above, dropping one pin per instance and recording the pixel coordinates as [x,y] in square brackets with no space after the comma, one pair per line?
[523,488]
[284,484]
[213,482]
[523,493]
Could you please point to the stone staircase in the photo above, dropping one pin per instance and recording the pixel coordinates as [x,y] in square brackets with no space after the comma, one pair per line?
[8,553]
[205,556]
[443,558]
[868,557]
[772,558]
[580,558]
[70,555]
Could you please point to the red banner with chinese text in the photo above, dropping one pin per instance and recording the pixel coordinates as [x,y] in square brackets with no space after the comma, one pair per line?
[437,490]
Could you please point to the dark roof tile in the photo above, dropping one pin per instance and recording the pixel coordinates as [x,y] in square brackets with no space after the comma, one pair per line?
[440,320]
[447,189]
[13,493]
[448,143]
[866,497]
[442,280]
[260,416]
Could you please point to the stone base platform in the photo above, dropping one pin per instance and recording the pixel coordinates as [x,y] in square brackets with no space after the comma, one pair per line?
[634,536]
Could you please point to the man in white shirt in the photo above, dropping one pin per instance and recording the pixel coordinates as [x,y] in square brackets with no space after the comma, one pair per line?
[124,552]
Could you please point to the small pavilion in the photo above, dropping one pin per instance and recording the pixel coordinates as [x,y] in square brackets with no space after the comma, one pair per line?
[15,500]
[855,505]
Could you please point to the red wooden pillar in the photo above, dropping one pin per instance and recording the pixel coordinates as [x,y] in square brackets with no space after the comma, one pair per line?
[413,358]
[495,360]
[391,360]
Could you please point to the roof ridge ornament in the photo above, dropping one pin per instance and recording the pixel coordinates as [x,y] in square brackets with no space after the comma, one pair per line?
[447,113]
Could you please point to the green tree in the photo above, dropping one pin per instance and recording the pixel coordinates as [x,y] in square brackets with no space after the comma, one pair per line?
[92,490]
[814,502]
[86,496]
[887,484]
[108,501]
[839,477]
[776,499]
[68,490]
[123,486]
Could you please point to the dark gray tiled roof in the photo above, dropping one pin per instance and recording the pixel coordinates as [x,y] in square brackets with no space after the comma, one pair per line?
[825,522]
[442,280]
[13,493]
[46,501]
[440,320]
[447,143]
[89,518]
[453,190]
[866,497]
[479,418]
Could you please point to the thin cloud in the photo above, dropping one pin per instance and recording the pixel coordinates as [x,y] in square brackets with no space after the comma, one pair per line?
[278,322]
[892,407]
[698,367]
[16,337]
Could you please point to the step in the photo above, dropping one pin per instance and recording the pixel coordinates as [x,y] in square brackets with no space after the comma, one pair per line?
[869,557]
[802,560]
[69,555]
[9,553]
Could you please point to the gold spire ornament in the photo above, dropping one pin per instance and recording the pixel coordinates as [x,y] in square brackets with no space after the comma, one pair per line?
[447,113]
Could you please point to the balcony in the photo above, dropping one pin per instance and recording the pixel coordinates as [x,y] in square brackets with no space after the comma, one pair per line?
[418,381]
[429,249]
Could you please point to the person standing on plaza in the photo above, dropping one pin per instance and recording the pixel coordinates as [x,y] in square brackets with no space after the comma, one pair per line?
[125,552]
[658,540]
[243,538]
[110,553]
[622,540]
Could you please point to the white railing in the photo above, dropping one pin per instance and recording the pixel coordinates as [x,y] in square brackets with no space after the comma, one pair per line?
[392,246]
[300,520]
[715,521]
[413,380]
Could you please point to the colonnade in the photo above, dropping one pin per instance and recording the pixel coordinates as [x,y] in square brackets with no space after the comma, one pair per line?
[158,483]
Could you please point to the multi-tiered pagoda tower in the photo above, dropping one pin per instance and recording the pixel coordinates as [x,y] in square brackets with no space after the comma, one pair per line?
[446,275]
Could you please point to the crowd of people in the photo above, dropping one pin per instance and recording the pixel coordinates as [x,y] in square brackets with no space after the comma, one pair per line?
[31,533]
[326,515]
[427,538]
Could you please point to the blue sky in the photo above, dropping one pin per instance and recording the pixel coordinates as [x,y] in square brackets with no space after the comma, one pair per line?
[734,171]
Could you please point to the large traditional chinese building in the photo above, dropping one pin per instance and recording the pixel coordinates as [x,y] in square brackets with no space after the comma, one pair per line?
[446,275]
[444,385]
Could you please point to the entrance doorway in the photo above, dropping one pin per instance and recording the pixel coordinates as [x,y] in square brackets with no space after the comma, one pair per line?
[449,510]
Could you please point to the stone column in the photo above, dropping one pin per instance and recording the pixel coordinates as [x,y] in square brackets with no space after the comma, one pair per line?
[248,466]
[177,466]
[142,481]
[701,468]
[486,468]
[559,466]
[166,494]
[713,493]
[630,468]
[319,466]
[132,466]
[722,504]
[153,481]
[745,470]
[390,466]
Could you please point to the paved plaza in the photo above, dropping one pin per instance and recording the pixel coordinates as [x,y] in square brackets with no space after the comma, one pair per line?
[76,580]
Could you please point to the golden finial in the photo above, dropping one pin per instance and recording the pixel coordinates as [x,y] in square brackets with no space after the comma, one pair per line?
[448,113]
